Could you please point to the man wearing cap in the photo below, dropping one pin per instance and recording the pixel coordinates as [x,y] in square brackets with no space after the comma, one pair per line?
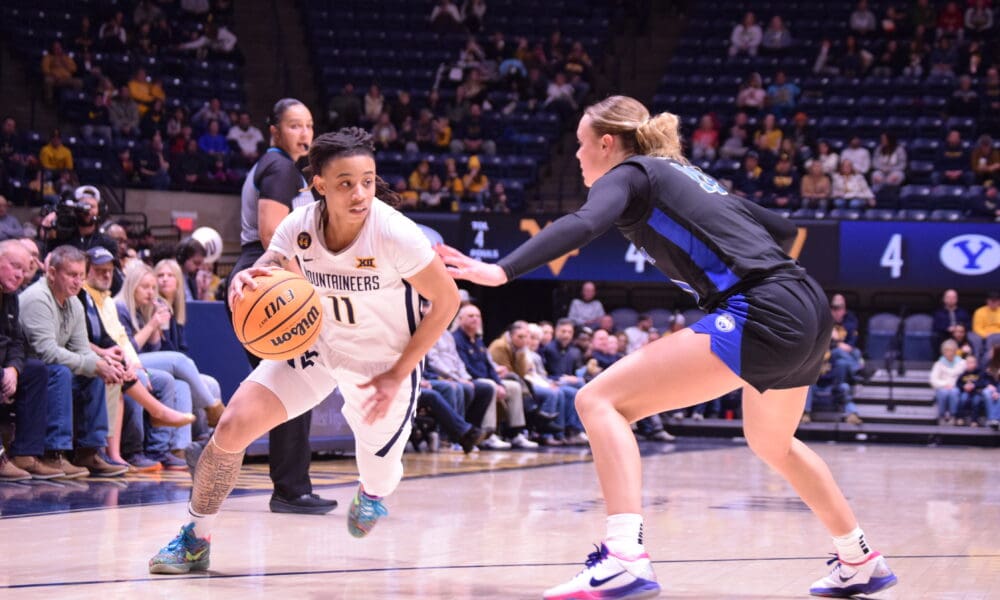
[53,321]
[986,320]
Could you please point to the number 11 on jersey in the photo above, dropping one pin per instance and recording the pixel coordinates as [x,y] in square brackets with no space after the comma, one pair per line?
[343,310]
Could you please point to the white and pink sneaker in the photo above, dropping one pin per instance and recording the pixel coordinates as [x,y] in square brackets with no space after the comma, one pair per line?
[608,575]
[852,579]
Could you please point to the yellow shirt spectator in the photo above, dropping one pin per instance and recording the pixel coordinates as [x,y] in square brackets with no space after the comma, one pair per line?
[55,157]
[986,319]
[144,92]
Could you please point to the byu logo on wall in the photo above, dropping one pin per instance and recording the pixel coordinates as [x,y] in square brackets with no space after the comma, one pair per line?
[971,254]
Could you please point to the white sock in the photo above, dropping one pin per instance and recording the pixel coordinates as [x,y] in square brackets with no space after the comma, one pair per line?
[202,523]
[625,534]
[852,547]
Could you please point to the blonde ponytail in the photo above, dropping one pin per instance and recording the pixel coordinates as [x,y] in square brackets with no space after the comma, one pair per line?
[660,136]
[629,120]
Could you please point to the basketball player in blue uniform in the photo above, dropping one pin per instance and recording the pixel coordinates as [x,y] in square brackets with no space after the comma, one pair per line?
[766,329]
[370,265]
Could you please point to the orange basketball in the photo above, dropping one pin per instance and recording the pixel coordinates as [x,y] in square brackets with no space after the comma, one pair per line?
[281,318]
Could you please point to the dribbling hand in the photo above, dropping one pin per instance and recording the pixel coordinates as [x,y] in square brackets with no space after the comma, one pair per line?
[244,279]
[461,266]
[386,387]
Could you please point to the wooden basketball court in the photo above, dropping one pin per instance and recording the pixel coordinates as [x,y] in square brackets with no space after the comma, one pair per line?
[509,524]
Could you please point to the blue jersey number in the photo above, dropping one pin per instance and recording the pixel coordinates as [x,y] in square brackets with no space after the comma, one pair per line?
[706,183]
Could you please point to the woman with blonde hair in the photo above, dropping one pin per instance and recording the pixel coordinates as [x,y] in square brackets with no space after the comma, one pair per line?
[766,329]
[155,327]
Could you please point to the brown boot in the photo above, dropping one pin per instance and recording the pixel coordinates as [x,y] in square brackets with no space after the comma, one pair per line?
[9,471]
[56,460]
[90,459]
[214,413]
[36,468]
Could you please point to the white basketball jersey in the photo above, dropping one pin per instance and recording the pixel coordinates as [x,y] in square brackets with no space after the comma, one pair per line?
[369,311]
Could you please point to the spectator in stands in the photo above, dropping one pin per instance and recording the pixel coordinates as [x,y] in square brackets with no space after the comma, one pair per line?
[638,334]
[479,395]
[782,185]
[384,132]
[735,144]
[374,105]
[211,111]
[943,58]
[54,156]
[59,71]
[123,113]
[964,101]
[542,403]
[146,11]
[562,357]
[992,390]
[922,14]
[858,155]
[125,173]
[176,123]
[816,188]
[446,18]
[751,96]
[10,227]
[216,40]
[949,316]
[833,380]
[84,39]
[497,201]
[452,180]
[587,310]
[782,95]
[889,162]
[24,379]
[767,139]
[471,135]
[862,20]
[420,178]
[15,158]
[560,96]
[154,121]
[435,197]
[971,397]
[746,36]
[212,143]
[850,189]
[190,167]
[915,64]
[953,164]
[891,25]
[989,116]
[538,377]
[749,182]
[247,138]
[345,108]
[966,345]
[475,183]
[944,381]
[823,63]
[979,18]
[950,21]
[986,320]
[53,321]
[154,169]
[112,37]
[855,61]
[776,38]
[163,34]
[472,350]
[144,91]
[890,61]
[985,160]
[705,139]
[849,321]
[800,132]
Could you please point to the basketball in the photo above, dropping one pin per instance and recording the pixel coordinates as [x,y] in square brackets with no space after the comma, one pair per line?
[281,318]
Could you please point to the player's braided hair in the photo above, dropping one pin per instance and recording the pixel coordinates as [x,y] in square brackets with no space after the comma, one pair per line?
[349,141]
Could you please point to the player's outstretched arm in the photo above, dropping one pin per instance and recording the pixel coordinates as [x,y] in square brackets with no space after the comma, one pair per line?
[462,267]
[435,284]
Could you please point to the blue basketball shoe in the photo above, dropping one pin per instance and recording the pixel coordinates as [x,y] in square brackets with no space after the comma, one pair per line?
[185,553]
[608,575]
[364,513]
[849,579]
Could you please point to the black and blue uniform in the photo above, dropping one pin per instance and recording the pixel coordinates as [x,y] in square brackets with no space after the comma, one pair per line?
[768,321]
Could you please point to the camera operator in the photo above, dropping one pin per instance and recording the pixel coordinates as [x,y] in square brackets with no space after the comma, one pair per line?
[75,222]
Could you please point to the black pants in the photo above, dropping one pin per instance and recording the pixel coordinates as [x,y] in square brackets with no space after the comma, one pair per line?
[289,451]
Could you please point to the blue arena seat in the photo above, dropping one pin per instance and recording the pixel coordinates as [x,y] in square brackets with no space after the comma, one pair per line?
[918,336]
[882,330]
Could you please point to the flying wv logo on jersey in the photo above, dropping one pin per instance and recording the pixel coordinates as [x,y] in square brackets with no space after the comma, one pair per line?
[275,305]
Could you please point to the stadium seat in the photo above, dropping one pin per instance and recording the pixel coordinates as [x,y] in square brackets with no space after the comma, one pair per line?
[915,196]
[882,330]
[918,336]
[950,197]
[945,214]
[880,214]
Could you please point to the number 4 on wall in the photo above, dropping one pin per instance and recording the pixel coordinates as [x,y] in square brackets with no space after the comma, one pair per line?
[892,257]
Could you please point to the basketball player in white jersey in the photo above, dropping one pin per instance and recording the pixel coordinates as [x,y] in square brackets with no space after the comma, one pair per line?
[371,265]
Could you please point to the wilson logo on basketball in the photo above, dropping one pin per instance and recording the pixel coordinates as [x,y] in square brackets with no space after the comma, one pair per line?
[275,305]
[299,329]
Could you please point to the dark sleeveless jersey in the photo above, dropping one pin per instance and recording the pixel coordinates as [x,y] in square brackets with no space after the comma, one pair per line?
[706,241]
